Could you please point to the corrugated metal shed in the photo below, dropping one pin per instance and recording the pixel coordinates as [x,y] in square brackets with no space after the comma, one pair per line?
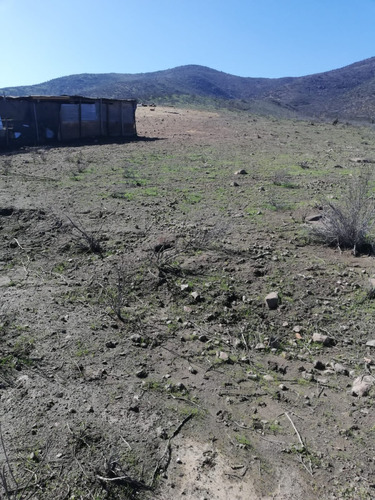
[42,119]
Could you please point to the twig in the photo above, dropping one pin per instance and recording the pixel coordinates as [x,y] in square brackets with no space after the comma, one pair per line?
[128,445]
[235,475]
[295,429]
[305,466]
[168,450]
[18,243]
[186,400]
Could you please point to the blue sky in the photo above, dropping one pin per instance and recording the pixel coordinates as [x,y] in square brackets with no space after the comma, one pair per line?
[45,39]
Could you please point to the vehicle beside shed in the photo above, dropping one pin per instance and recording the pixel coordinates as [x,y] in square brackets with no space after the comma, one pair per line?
[34,120]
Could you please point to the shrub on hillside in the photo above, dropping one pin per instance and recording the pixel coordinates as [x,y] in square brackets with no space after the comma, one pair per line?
[348,224]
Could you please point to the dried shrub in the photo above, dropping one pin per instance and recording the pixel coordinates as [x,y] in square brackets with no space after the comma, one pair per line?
[348,224]
[87,241]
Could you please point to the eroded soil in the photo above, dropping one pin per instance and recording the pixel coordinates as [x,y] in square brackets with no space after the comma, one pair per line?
[138,358]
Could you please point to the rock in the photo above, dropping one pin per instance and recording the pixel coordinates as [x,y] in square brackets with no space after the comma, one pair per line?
[110,344]
[223,356]
[195,296]
[268,378]
[23,381]
[283,387]
[314,218]
[161,433]
[260,346]
[322,339]
[272,300]
[141,373]
[234,184]
[192,370]
[184,286]
[136,338]
[339,368]
[362,385]
[242,171]
[319,365]
[308,376]
[370,343]
[203,338]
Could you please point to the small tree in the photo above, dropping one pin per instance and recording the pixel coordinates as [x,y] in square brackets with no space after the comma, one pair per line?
[348,224]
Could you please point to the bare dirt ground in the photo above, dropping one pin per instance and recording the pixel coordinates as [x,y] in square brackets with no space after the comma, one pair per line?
[138,358]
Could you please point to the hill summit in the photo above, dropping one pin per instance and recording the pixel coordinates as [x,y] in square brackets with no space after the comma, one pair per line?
[345,93]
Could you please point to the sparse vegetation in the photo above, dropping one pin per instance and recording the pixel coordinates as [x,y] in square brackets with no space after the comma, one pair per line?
[152,357]
[348,224]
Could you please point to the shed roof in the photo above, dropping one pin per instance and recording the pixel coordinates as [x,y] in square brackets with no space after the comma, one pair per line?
[66,99]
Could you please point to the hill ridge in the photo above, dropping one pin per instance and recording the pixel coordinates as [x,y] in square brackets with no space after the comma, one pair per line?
[345,93]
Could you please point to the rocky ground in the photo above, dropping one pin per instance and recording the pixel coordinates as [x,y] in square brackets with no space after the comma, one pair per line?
[169,327]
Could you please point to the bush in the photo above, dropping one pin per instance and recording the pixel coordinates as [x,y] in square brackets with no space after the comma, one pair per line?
[349,223]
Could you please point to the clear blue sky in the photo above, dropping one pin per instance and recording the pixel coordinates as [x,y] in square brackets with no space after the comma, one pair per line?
[45,39]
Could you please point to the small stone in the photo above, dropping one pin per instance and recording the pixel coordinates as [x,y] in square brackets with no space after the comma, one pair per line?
[110,344]
[370,343]
[184,286]
[161,433]
[195,296]
[268,378]
[319,365]
[234,184]
[260,347]
[283,387]
[34,456]
[253,376]
[223,356]
[362,385]
[136,338]
[141,373]
[178,460]
[203,338]
[322,339]
[242,171]
[313,218]
[339,368]
[272,300]
[192,370]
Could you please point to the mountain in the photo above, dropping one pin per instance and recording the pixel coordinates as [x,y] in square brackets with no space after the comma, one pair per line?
[345,93]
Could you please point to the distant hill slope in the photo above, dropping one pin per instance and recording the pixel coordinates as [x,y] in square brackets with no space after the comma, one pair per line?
[345,93]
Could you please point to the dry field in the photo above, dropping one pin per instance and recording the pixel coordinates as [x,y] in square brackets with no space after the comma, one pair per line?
[138,358]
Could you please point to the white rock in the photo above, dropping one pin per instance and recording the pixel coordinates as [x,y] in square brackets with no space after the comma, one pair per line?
[362,385]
